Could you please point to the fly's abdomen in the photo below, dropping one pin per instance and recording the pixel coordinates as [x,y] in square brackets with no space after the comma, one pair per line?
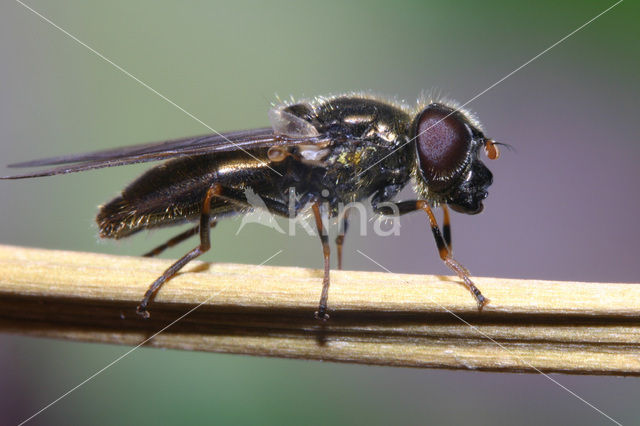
[173,192]
[165,195]
[122,216]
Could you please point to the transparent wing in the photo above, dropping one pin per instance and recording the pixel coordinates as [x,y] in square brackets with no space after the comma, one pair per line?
[285,123]
[243,140]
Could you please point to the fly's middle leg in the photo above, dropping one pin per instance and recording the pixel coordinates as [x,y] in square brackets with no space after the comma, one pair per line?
[342,230]
[321,313]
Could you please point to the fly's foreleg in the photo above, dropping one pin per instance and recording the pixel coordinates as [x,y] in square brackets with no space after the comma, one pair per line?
[446,228]
[442,243]
[447,258]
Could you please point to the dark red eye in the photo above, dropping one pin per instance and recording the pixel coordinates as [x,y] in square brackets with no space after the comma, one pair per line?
[443,142]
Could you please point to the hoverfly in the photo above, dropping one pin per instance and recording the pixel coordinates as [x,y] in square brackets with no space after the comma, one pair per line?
[330,150]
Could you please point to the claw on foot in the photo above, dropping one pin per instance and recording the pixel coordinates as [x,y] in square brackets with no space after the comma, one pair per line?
[142,311]
[482,303]
[321,316]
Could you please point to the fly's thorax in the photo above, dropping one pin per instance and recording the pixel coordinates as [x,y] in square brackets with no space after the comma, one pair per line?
[362,117]
[366,132]
[368,148]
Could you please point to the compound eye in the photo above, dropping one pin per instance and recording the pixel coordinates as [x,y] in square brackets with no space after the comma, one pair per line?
[443,142]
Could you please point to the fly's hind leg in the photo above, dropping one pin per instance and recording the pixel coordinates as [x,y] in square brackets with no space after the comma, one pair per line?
[176,240]
[205,245]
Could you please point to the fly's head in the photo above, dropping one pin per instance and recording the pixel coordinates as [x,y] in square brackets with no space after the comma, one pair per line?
[448,169]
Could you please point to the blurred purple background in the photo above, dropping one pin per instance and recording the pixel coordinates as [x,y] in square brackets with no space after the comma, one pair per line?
[563,206]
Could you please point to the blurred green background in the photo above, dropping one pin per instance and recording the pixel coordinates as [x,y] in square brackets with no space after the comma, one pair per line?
[564,206]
